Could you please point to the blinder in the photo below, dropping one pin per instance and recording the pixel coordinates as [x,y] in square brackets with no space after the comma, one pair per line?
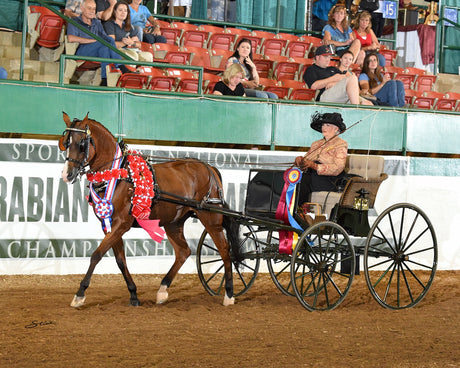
[64,143]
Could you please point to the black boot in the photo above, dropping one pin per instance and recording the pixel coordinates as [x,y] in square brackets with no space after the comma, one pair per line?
[124,69]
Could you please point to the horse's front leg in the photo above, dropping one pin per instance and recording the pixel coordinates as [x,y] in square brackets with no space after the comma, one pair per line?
[121,262]
[109,240]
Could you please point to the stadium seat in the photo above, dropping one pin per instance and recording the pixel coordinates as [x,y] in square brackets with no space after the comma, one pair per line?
[314,43]
[410,96]
[304,94]
[209,81]
[288,37]
[446,104]
[194,39]
[264,67]
[427,100]
[160,50]
[393,70]
[132,80]
[187,82]
[407,79]
[273,46]
[219,58]
[286,70]
[297,49]
[49,27]
[172,35]
[280,91]
[159,80]
[202,57]
[389,56]
[425,82]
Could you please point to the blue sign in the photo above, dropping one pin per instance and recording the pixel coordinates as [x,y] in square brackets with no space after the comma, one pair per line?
[390,9]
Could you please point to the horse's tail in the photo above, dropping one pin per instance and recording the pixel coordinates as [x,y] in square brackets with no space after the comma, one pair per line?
[233,236]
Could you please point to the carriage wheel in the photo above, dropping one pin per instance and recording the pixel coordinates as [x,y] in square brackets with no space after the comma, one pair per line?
[279,267]
[400,256]
[211,267]
[322,266]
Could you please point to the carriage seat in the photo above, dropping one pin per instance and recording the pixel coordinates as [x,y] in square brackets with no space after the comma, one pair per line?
[370,171]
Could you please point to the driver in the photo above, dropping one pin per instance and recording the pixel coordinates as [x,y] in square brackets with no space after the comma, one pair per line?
[323,165]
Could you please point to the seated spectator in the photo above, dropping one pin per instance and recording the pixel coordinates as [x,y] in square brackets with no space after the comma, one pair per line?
[104,9]
[345,62]
[119,28]
[337,32]
[363,32]
[243,56]
[140,14]
[230,85]
[333,85]
[3,73]
[89,46]
[73,8]
[373,83]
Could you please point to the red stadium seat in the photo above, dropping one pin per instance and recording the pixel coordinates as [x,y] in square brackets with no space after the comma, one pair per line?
[298,49]
[172,35]
[49,26]
[286,70]
[132,80]
[410,96]
[389,56]
[273,46]
[194,39]
[303,94]
[159,81]
[425,82]
[264,67]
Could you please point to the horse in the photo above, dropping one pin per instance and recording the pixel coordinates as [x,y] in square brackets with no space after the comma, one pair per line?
[181,188]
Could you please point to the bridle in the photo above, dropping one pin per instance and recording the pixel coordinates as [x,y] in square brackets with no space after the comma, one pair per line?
[64,143]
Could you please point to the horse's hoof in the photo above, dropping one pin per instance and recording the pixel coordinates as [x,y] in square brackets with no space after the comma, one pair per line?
[162,297]
[134,303]
[78,301]
[228,301]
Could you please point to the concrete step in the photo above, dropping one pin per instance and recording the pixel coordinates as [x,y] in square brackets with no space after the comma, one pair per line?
[11,38]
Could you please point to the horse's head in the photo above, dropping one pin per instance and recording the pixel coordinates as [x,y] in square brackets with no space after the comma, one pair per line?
[78,144]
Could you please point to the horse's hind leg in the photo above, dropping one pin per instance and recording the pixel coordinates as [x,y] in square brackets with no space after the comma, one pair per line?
[182,251]
[120,257]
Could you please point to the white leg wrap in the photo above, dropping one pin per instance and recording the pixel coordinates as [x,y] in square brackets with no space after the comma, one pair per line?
[228,301]
[162,294]
[78,301]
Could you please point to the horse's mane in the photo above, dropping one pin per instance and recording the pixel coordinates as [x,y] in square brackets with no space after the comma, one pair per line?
[101,126]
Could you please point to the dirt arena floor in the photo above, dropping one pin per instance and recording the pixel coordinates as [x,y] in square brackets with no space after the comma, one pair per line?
[263,329]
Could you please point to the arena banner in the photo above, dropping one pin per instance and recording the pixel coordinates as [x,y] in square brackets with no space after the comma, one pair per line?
[47,226]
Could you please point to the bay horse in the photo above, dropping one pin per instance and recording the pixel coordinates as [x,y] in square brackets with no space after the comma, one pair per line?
[179,186]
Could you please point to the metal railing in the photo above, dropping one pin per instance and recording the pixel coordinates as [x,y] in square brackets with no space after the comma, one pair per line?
[440,46]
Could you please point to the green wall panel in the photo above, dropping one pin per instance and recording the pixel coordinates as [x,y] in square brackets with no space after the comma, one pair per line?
[433,133]
[38,109]
[196,120]
[378,130]
[33,108]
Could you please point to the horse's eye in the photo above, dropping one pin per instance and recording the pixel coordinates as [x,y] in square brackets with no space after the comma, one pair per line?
[82,145]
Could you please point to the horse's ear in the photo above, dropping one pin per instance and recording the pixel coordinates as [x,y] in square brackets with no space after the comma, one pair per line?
[85,120]
[66,119]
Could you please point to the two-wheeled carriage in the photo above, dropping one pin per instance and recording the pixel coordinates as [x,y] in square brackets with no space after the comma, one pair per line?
[398,247]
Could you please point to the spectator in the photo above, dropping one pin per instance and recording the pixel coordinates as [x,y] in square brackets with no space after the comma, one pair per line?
[230,85]
[119,28]
[243,56]
[104,9]
[363,32]
[333,85]
[3,73]
[324,163]
[320,13]
[140,14]
[373,83]
[89,46]
[73,8]
[345,62]
[337,32]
